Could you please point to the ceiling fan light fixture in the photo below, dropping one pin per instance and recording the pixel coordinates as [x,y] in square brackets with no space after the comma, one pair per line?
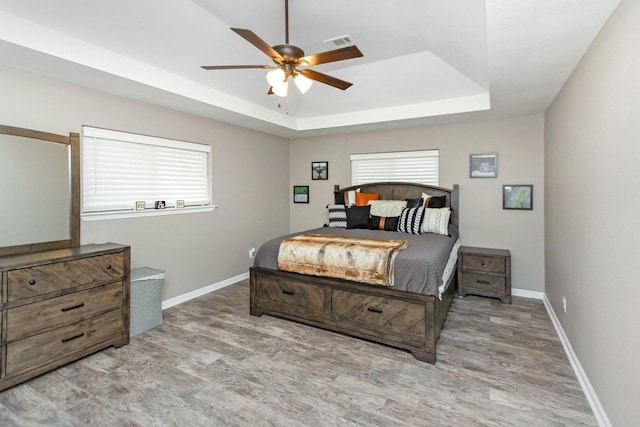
[303,83]
[278,81]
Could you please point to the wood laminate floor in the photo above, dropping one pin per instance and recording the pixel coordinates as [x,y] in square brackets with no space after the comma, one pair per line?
[211,364]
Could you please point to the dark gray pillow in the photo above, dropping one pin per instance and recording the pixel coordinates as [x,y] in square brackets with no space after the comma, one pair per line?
[388,223]
[437,202]
[358,216]
[414,203]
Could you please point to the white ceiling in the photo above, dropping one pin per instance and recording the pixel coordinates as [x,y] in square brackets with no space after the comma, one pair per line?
[424,60]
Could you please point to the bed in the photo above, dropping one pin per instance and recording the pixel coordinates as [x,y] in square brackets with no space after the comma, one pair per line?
[407,315]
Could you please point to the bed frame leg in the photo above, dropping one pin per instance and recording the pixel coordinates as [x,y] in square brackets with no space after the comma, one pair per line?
[255,312]
[423,356]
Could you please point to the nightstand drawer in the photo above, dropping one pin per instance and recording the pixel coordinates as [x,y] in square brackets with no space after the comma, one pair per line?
[488,264]
[483,282]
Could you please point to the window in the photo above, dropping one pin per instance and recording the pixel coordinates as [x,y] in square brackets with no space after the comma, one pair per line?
[120,169]
[401,166]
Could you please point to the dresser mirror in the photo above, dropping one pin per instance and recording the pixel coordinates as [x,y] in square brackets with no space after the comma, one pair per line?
[39,189]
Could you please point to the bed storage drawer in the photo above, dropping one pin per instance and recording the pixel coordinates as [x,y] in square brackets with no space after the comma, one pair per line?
[381,314]
[51,313]
[46,347]
[293,294]
[44,279]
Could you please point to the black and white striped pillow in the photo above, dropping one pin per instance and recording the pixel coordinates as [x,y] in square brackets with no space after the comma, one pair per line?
[337,216]
[411,220]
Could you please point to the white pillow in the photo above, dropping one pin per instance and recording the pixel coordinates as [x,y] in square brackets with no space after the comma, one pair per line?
[436,220]
[425,199]
[350,197]
[387,208]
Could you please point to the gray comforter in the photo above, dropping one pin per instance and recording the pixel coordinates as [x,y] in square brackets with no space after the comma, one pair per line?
[418,268]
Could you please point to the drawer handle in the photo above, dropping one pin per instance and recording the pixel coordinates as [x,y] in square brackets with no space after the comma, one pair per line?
[64,340]
[483,282]
[32,282]
[287,292]
[374,310]
[109,267]
[72,308]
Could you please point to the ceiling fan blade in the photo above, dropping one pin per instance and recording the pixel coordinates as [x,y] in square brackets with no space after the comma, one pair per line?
[326,79]
[252,38]
[331,56]
[234,67]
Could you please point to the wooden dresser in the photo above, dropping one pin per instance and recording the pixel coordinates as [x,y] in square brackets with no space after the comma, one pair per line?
[484,271]
[61,305]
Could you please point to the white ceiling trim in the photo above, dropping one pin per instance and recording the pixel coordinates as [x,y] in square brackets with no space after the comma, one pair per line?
[464,104]
[27,34]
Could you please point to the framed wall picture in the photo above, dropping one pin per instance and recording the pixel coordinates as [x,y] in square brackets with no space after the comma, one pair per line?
[319,170]
[483,165]
[517,197]
[300,194]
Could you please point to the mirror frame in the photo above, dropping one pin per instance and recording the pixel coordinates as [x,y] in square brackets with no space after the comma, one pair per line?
[73,141]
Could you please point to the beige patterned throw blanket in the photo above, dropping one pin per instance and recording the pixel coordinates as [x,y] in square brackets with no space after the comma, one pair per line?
[362,260]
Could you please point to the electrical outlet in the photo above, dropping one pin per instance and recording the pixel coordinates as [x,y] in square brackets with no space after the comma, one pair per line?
[252,253]
[140,206]
[564,304]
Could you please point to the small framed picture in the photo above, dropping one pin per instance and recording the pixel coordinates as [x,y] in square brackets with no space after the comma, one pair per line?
[483,165]
[300,194]
[319,170]
[517,197]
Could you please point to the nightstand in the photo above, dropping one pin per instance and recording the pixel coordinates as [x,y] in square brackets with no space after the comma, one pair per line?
[484,271]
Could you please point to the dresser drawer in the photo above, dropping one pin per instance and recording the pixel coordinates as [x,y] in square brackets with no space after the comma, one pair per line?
[49,346]
[293,293]
[484,263]
[33,318]
[483,283]
[44,279]
[379,313]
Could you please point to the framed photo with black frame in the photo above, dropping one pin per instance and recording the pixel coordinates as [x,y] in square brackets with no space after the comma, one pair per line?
[483,165]
[319,170]
[518,197]
[300,194]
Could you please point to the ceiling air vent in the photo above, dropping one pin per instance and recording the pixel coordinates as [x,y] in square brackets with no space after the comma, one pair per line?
[341,41]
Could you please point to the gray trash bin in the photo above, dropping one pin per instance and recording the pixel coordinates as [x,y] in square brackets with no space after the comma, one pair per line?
[146,305]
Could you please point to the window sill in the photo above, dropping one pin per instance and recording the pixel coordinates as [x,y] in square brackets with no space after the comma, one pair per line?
[99,216]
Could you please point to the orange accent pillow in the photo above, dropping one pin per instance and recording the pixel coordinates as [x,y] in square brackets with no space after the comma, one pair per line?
[362,199]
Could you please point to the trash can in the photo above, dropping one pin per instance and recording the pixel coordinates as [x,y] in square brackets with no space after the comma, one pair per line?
[146,305]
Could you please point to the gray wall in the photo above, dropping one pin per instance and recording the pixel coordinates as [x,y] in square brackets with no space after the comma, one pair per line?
[520,147]
[250,179]
[592,153]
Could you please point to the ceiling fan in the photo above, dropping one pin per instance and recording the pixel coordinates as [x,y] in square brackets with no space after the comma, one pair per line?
[289,58]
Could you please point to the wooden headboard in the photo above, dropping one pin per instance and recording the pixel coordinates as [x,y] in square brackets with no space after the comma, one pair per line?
[404,190]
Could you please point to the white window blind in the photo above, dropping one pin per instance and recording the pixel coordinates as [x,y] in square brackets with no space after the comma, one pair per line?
[401,166]
[120,169]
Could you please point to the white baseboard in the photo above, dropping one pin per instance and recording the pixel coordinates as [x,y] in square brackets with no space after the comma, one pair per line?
[592,398]
[527,294]
[202,291]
